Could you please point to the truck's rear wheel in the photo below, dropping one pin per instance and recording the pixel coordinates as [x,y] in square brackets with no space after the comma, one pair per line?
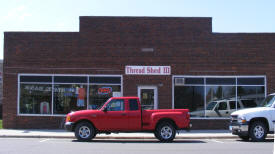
[84,131]
[258,131]
[165,132]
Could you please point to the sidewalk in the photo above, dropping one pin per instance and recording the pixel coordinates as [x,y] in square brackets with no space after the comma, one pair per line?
[59,133]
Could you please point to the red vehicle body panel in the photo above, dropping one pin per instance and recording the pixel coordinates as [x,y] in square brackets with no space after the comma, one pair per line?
[127,120]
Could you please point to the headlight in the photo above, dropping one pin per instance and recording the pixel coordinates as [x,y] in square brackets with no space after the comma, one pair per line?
[241,119]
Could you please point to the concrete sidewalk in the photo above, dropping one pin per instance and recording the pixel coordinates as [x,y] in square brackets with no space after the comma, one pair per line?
[59,133]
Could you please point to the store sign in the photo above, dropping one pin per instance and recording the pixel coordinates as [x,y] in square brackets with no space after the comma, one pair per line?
[147,70]
[104,90]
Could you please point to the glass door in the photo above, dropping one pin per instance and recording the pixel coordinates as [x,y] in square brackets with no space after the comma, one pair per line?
[148,96]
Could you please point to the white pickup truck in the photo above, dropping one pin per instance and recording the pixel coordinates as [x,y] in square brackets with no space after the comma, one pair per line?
[254,123]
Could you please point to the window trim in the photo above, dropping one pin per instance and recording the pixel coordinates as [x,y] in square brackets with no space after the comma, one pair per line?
[53,83]
[205,85]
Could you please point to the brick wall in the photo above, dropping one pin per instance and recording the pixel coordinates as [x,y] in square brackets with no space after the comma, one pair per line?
[105,45]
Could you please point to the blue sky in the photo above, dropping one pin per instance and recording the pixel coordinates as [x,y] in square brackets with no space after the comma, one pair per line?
[63,15]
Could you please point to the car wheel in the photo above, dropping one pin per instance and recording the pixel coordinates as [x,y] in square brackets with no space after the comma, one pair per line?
[245,138]
[165,132]
[84,131]
[258,131]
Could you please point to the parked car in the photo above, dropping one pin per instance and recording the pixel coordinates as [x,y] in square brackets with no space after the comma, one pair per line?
[254,123]
[223,108]
[124,114]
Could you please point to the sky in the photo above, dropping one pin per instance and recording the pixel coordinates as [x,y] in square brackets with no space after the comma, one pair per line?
[228,16]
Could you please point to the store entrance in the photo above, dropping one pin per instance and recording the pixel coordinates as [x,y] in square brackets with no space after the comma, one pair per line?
[148,96]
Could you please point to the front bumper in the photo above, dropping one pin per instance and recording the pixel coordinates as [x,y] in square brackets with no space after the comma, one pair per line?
[69,126]
[239,129]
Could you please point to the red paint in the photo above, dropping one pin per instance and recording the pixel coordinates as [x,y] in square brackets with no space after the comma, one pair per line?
[127,120]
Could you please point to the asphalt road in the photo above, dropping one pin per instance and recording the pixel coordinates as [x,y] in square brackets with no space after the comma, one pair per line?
[69,146]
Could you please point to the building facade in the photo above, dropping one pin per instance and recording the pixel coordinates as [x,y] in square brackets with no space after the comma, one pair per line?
[169,62]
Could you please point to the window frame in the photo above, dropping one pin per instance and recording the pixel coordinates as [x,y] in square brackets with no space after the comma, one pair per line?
[53,84]
[205,85]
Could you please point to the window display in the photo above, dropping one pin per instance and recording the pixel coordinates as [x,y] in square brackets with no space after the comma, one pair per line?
[35,98]
[59,95]
[99,94]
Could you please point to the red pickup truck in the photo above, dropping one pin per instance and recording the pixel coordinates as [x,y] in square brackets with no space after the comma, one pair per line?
[124,114]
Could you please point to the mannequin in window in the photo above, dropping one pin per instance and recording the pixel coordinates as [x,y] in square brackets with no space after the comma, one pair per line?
[81,96]
[44,108]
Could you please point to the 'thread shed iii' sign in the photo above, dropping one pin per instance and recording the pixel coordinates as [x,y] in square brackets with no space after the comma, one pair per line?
[147,70]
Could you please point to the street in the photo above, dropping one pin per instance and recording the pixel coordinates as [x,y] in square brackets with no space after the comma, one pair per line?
[190,146]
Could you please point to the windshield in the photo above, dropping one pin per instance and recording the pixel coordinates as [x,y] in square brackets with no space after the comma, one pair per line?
[211,105]
[268,101]
[99,107]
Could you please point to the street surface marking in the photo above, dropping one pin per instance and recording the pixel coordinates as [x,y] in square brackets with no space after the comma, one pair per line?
[212,140]
[44,140]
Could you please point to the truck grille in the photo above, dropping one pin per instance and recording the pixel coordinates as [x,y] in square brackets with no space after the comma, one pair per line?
[234,118]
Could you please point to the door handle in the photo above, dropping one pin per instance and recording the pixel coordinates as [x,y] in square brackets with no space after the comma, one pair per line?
[124,114]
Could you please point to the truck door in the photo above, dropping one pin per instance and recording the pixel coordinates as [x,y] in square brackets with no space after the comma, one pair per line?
[115,118]
[134,115]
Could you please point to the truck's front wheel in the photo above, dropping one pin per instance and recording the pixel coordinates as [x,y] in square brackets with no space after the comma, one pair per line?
[84,131]
[258,131]
[165,132]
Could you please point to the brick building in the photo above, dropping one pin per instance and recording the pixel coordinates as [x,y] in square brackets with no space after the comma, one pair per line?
[169,62]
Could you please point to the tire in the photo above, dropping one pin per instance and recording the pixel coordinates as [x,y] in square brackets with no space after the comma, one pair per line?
[245,138]
[258,131]
[84,131]
[165,132]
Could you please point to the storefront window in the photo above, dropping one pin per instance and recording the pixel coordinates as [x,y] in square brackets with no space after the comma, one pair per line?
[69,97]
[217,100]
[99,94]
[220,97]
[190,97]
[59,95]
[35,99]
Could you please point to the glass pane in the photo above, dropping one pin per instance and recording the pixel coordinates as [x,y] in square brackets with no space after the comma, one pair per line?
[147,98]
[251,81]
[133,104]
[70,79]
[194,81]
[69,98]
[113,80]
[36,79]
[190,97]
[116,105]
[221,81]
[35,98]
[250,96]
[217,100]
[99,94]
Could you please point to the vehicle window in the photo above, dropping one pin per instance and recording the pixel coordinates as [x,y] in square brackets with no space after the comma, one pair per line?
[211,105]
[268,101]
[249,103]
[116,105]
[222,106]
[232,105]
[133,104]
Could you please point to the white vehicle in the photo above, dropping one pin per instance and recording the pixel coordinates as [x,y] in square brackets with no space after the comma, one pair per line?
[223,108]
[254,123]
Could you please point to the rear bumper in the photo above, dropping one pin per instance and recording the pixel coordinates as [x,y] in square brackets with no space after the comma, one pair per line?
[239,129]
[69,126]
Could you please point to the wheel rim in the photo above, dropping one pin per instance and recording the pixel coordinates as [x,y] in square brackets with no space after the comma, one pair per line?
[259,132]
[166,132]
[84,132]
